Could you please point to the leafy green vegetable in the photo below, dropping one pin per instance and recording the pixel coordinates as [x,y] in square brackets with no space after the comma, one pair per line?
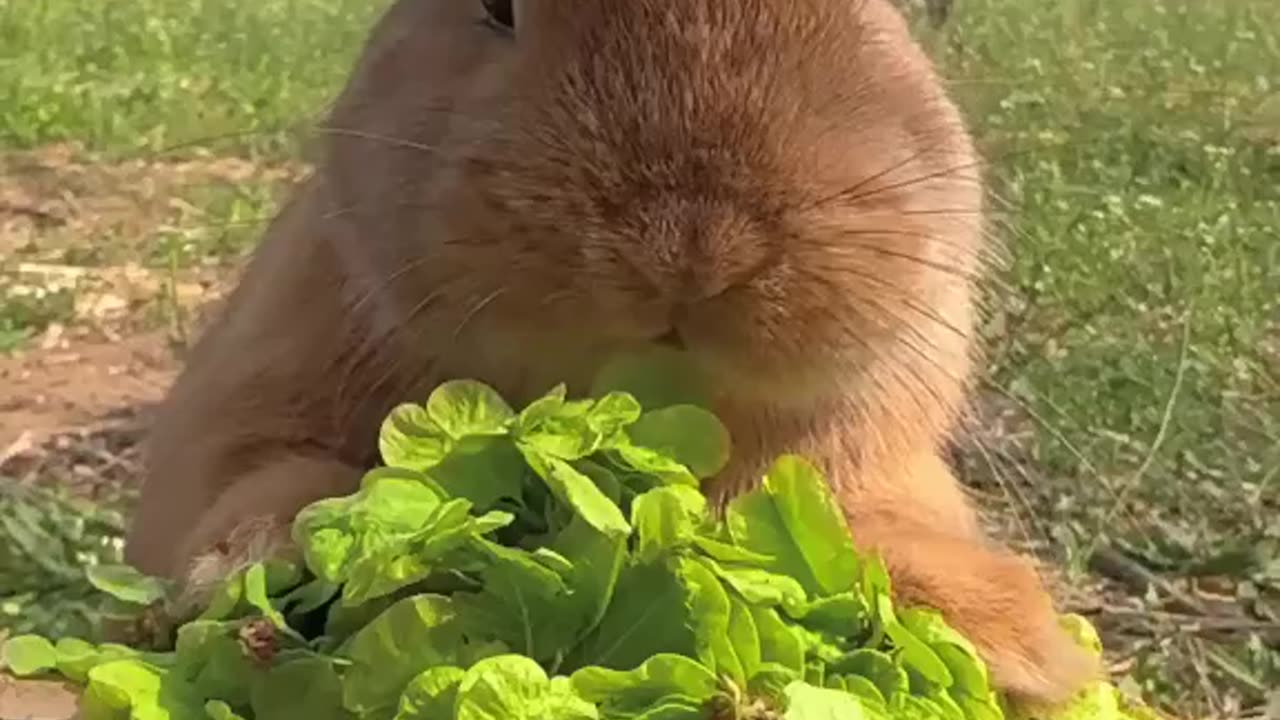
[211,657]
[432,694]
[876,667]
[645,468]
[554,563]
[660,679]
[337,533]
[512,687]
[795,520]
[412,440]
[780,642]
[666,520]
[28,655]
[815,703]
[657,377]
[648,616]
[389,535]
[126,584]
[137,689]
[219,710]
[77,657]
[744,637]
[482,470]
[709,613]
[761,587]
[412,636]
[255,591]
[463,408]
[580,494]
[306,688]
[687,434]
[595,562]
[522,604]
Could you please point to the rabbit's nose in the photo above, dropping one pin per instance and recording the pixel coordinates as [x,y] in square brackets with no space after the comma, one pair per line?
[698,283]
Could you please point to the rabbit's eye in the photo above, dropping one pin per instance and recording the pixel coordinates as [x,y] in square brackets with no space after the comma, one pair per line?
[500,12]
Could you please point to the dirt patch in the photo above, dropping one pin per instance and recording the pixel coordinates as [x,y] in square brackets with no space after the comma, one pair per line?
[130,245]
[36,700]
[73,388]
[1186,626]
[60,197]
[107,266]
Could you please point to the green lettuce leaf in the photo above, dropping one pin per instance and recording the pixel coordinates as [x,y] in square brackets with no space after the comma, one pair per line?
[522,604]
[578,492]
[397,565]
[806,702]
[596,560]
[743,636]
[27,655]
[431,695]
[410,637]
[465,408]
[709,612]
[210,656]
[780,642]
[648,616]
[481,469]
[127,584]
[306,688]
[389,535]
[666,520]
[642,468]
[687,434]
[761,587]
[255,593]
[391,506]
[512,687]
[657,377]
[219,710]
[138,690]
[572,430]
[660,680]
[953,649]
[410,439]
[794,519]
[77,657]
[876,667]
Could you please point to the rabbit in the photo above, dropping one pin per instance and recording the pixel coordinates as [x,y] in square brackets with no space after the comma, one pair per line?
[514,191]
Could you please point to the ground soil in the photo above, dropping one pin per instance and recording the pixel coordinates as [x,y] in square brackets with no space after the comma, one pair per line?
[49,391]
[36,700]
[106,321]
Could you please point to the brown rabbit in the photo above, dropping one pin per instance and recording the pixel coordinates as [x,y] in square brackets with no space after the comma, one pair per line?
[780,187]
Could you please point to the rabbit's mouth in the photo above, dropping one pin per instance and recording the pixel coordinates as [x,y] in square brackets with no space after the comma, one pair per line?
[671,339]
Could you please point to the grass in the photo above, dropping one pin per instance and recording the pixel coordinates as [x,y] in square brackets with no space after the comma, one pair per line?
[49,539]
[1139,144]
[1135,149]
[151,74]
[25,308]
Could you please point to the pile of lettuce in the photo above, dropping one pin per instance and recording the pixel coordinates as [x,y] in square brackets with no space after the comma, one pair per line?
[556,563]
